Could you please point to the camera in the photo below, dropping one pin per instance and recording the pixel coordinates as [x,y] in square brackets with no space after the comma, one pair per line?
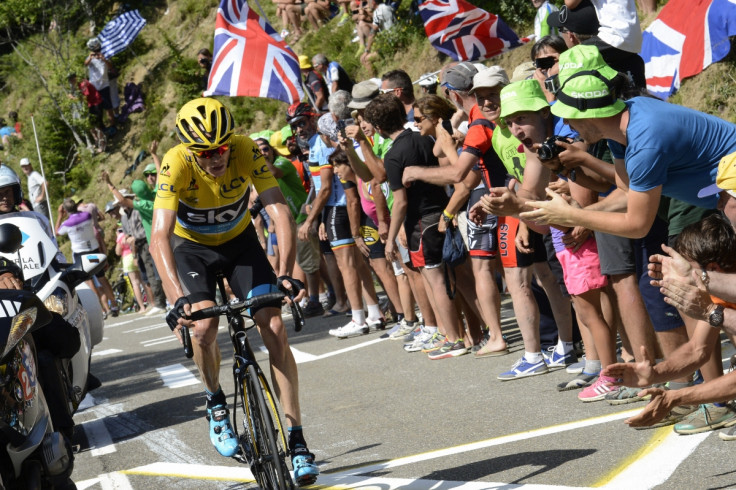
[343,123]
[549,149]
[552,84]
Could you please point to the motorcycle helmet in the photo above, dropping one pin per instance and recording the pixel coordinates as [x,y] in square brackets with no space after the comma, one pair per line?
[9,178]
[297,110]
[204,124]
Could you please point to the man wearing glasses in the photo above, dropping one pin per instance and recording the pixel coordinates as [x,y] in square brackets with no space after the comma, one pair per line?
[398,82]
[201,225]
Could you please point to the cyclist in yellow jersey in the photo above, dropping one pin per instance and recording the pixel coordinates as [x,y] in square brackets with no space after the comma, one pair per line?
[202,200]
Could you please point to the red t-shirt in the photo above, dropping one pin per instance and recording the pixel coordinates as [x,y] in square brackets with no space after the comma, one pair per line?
[90,92]
[478,143]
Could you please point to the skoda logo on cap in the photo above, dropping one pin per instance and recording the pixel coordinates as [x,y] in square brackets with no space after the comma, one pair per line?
[570,65]
[591,94]
[507,95]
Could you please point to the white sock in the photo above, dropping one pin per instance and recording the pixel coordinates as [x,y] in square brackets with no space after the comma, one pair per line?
[374,312]
[533,357]
[359,317]
[563,347]
[430,329]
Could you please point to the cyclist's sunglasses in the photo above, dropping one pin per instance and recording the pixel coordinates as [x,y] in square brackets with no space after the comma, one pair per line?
[210,153]
[545,63]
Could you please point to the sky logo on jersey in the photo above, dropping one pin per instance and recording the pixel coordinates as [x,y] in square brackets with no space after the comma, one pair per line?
[213,221]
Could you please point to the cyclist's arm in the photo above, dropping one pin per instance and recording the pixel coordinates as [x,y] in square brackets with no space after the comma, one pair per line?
[163,255]
[278,211]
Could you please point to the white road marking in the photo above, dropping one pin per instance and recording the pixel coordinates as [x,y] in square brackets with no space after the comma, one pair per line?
[88,402]
[160,340]
[113,325]
[302,357]
[177,376]
[656,467]
[144,329]
[105,352]
[99,438]
[115,481]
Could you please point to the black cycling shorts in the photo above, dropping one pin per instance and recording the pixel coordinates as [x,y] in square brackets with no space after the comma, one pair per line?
[241,260]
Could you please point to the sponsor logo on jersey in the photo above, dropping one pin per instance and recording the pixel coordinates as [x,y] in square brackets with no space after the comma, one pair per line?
[193,185]
[165,170]
[262,173]
[166,187]
[234,188]
[230,213]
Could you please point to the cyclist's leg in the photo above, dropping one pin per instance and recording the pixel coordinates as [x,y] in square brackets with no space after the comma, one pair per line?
[250,276]
[196,265]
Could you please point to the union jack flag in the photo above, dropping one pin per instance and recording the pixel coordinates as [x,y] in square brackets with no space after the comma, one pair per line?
[250,58]
[464,32]
[686,37]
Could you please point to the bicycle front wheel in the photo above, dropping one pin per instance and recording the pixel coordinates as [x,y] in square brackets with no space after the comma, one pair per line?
[269,466]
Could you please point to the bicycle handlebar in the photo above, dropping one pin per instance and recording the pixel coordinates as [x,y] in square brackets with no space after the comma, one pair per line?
[235,308]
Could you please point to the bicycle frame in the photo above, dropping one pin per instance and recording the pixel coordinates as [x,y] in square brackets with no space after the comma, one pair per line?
[263,440]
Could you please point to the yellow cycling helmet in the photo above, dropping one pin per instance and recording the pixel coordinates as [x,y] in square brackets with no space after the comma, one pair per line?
[204,124]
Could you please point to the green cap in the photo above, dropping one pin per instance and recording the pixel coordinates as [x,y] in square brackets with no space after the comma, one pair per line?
[523,96]
[585,89]
[150,169]
[264,135]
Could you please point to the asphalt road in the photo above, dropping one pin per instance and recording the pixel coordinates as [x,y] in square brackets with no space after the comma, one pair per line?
[377,418]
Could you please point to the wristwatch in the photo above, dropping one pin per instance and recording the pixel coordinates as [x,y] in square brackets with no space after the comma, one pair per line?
[716,317]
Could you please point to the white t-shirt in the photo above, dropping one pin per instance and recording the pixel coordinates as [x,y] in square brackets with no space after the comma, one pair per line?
[383,17]
[35,181]
[81,232]
[98,73]
[619,24]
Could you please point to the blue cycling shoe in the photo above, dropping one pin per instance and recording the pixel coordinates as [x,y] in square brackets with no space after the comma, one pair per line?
[221,432]
[305,471]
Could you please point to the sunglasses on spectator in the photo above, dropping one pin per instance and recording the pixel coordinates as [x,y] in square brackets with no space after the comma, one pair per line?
[545,63]
[148,174]
[419,119]
[387,90]
[210,153]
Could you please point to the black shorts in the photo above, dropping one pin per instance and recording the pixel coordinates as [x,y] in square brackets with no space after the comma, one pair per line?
[482,240]
[425,241]
[106,100]
[337,225]
[616,254]
[369,231]
[241,260]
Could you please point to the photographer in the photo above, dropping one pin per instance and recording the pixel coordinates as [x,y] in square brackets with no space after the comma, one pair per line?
[98,73]
[204,60]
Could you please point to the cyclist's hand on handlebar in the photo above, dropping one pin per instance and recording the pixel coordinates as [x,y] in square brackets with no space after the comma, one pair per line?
[292,288]
[177,316]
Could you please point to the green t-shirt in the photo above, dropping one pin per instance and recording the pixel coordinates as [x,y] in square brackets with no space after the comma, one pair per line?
[292,189]
[381,146]
[143,202]
[507,148]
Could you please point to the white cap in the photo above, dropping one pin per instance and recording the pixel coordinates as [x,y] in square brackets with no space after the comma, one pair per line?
[24,162]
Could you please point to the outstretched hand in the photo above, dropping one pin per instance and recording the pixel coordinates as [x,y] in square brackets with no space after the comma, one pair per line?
[658,408]
[634,374]
[556,211]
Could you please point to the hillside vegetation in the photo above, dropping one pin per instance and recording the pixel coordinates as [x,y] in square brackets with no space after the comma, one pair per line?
[42,41]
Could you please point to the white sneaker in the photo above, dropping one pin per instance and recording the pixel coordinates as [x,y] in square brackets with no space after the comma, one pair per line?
[418,343]
[284,33]
[153,311]
[352,329]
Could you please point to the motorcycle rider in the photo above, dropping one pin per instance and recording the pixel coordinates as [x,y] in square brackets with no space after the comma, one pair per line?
[58,339]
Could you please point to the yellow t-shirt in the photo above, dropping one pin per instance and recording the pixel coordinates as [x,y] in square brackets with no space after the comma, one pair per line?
[210,210]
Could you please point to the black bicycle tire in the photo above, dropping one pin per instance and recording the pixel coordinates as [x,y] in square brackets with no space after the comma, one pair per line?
[272,472]
[282,444]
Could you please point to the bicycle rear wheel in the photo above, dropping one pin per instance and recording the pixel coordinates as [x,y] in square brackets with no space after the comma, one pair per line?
[266,433]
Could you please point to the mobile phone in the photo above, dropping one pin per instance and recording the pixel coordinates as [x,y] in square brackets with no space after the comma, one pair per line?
[448,126]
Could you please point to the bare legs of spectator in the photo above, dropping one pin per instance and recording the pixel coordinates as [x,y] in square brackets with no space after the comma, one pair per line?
[634,316]
[332,274]
[385,274]
[105,306]
[466,286]
[489,299]
[558,302]
[443,306]
[670,341]
[407,297]
[519,283]
[416,283]
[352,278]
[106,293]
[135,282]
[588,307]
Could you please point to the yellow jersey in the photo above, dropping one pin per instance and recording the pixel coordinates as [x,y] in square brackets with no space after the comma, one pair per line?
[212,210]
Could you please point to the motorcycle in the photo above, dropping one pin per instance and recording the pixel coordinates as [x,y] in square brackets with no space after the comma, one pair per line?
[32,454]
[61,288]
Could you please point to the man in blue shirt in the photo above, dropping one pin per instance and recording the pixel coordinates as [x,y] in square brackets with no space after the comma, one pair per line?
[658,148]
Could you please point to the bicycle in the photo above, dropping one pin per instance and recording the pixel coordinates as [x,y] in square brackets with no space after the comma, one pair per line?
[263,444]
